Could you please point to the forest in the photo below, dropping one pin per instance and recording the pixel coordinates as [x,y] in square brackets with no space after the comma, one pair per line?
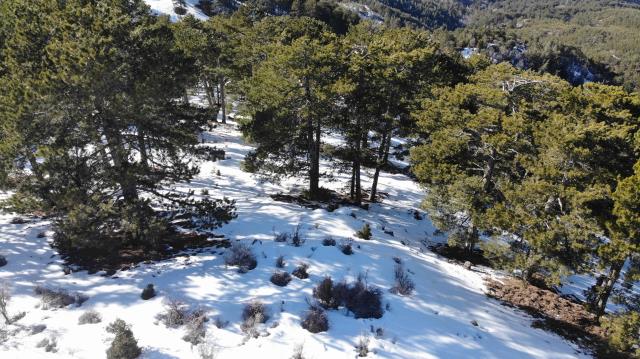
[525,171]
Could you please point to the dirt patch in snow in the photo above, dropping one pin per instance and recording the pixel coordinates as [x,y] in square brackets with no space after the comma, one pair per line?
[555,313]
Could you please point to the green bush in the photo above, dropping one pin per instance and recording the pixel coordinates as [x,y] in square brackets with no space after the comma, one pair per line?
[148,292]
[364,232]
[623,332]
[23,203]
[99,230]
[533,268]
[124,345]
[212,213]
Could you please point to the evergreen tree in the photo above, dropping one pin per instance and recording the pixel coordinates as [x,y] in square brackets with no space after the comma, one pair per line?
[624,240]
[104,119]
[477,140]
[289,97]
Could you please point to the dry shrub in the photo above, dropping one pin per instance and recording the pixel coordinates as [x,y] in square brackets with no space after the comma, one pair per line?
[403,284]
[58,298]
[301,271]
[90,317]
[280,278]
[241,256]
[253,314]
[315,320]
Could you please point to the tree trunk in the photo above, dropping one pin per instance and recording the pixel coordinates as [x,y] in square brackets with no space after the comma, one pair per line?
[471,240]
[311,148]
[604,291]
[185,97]
[356,169]
[352,185]
[383,156]
[122,166]
[223,101]
[35,167]
[142,146]
[209,91]
[315,178]
[487,179]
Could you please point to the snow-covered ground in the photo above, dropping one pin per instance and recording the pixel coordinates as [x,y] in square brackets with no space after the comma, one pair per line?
[434,322]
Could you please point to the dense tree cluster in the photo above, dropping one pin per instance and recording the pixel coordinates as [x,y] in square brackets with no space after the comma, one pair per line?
[545,172]
[92,131]
[367,81]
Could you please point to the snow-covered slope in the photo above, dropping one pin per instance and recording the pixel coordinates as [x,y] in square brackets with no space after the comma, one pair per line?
[434,322]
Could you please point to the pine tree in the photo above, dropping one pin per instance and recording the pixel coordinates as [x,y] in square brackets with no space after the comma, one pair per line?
[476,142]
[289,97]
[104,120]
[624,239]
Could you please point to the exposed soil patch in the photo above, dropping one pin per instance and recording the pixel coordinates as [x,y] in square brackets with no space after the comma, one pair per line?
[126,258]
[568,319]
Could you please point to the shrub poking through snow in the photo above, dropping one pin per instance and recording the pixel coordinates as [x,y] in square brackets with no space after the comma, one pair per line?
[363,301]
[281,237]
[280,278]
[323,292]
[124,345]
[196,330]
[362,347]
[148,292]
[296,237]
[364,232]
[5,298]
[38,328]
[403,285]
[340,293]
[220,323]
[3,261]
[253,314]
[315,320]
[301,271]
[280,262]
[50,345]
[329,241]
[178,314]
[90,317]
[241,256]
[58,298]
[346,248]
[208,349]
[175,315]
[297,352]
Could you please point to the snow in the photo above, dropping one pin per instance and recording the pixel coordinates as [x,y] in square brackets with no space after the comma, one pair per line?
[434,322]
[165,7]
[467,52]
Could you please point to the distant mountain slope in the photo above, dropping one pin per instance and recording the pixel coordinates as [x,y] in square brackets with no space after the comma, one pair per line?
[586,40]
[600,37]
